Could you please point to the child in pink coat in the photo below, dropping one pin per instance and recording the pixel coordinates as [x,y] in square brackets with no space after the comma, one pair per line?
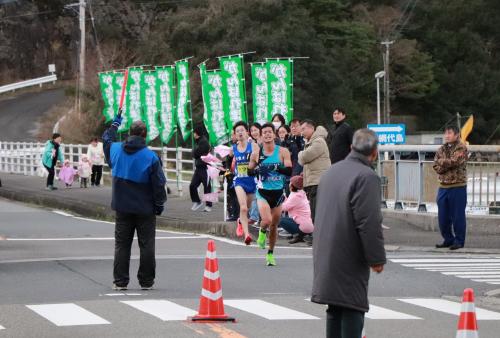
[299,222]
[67,174]
[84,171]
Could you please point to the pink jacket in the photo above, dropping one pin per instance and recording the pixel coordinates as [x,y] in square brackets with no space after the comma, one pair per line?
[299,210]
[67,174]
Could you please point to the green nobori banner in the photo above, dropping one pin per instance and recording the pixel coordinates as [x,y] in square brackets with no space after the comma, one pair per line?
[213,102]
[259,93]
[133,100]
[118,79]
[233,88]
[280,87]
[108,94]
[183,98]
[150,104]
[166,101]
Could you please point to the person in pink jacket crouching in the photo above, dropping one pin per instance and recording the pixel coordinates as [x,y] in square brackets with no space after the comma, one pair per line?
[298,222]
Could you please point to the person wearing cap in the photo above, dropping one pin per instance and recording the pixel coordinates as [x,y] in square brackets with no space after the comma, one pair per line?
[298,222]
[51,154]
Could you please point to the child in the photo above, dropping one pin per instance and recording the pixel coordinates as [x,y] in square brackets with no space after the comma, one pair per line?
[84,171]
[67,174]
[297,206]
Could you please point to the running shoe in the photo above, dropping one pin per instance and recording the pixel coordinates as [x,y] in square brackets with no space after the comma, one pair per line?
[270,261]
[196,206]
[261,241]
[248,240]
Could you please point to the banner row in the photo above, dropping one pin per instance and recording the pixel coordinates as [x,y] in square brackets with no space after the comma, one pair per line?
[161,96]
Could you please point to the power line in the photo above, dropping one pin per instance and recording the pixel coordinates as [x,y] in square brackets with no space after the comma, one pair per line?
[99,52]
[24,15]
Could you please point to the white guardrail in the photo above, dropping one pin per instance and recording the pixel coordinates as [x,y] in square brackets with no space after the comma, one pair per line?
[28,83]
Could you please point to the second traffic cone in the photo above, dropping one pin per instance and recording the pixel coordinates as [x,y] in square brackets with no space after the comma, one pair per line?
[467,324]
[211,302]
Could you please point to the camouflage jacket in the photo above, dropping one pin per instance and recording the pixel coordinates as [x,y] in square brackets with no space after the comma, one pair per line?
[450,163]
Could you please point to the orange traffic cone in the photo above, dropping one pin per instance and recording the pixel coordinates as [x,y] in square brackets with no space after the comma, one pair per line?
[467,324]
[211,302]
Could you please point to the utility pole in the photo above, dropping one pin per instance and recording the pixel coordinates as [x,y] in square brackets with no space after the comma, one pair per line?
[82,53]
[387,88]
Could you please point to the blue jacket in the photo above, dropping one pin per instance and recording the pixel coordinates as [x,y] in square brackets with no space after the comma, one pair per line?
[138,178]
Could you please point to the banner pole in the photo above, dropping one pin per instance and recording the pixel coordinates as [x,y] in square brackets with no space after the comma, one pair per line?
[291,90]
[177,163]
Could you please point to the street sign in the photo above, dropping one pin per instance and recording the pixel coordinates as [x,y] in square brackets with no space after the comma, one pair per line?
[389,133]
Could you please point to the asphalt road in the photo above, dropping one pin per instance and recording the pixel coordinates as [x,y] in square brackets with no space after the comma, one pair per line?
[19,114]
[55,273]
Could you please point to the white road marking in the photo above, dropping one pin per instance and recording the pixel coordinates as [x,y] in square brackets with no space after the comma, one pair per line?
[122,294]
[95,238]
[430,266]
[451,260]
[478,276]
[93,220]
[465,268]
[162,309]
[62,213]
[450,307]
[377,312]
[487,280]
[67,314]
[464,273]
[2,328]
[266,310]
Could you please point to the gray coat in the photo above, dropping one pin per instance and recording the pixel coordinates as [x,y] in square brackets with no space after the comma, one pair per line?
[348,235]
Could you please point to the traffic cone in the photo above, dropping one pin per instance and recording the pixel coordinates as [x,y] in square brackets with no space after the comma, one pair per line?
[211,302]
[467,324]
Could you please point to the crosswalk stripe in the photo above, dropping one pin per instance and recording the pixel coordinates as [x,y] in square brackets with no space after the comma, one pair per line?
[67,314]
[466,268]
[423,266]
[450,307]
[464,273]
[487,280]
[377,312]
[2,328]
[451,260]
[266,310]
[162,309]
[479,276]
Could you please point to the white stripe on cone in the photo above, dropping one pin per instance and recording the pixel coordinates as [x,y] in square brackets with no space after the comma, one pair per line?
[211,255]
[211,275]
[468,307]
[467,334]
[211,295]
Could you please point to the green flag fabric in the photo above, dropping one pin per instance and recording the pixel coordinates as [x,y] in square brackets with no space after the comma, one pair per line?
[183,98]
[213,102]
[280,87]
[108,95]
[165,96]
[150,104]
[233,89]
[259,93]
[133,100]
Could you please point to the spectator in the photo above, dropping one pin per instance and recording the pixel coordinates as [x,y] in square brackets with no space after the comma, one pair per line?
[200,176]
[314,158]
[283,134]
[138,195]
[278,120]
[450,163]
[339,137]
[67,174]
[84,171]
[298,222]
[255,132]
[95,153]
[51,154]
[348,238]
[296,145]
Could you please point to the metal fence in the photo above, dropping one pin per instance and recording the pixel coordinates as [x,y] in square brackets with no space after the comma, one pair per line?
[28,83]
[25,158]
[408,177]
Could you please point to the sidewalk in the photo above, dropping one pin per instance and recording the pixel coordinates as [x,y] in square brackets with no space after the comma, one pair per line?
[95,203]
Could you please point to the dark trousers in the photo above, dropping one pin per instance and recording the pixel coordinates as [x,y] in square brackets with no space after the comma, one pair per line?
[289,225]
[200,176]
[342,322]
[125,227]
[311,196]
[52,173]
[451,214]
[95,178]
[233,206]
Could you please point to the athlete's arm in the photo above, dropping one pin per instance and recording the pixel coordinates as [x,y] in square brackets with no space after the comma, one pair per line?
[254,157]
[287,162]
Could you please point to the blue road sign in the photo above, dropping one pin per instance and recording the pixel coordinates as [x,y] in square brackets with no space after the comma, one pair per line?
[389,133]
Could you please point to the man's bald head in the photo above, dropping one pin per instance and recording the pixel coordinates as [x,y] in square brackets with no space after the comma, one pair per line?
[138,128]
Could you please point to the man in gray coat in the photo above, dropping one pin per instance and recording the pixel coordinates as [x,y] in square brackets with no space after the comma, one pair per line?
[348,237]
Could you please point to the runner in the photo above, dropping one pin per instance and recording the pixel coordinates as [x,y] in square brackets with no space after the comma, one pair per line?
[270,163]
[244,185]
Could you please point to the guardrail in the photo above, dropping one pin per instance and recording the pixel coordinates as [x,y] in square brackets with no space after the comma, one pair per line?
[25,158]
[28,83]
[408,177]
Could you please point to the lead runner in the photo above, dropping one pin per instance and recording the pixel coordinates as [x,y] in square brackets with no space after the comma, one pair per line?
[270,163]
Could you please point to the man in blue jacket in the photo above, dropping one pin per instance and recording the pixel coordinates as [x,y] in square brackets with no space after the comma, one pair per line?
[138,196]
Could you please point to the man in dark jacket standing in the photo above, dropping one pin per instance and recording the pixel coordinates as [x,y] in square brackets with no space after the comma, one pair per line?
[200,176]
[348,237]
[339,137]
[296,145]
[138,196]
